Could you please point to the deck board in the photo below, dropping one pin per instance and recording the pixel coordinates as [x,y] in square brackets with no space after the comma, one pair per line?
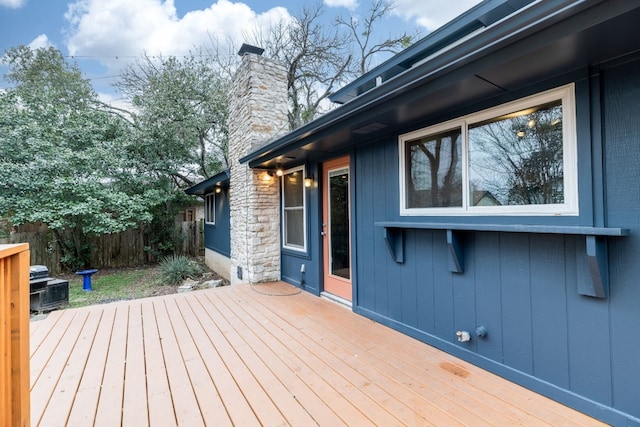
[235,405]
[158,391]
[134,405]
[86,400]
[398,367]
[60,404]
[399,403]
[292,385]
[53,364]
[234,356]
[109,410]
[184,399]
[305,366]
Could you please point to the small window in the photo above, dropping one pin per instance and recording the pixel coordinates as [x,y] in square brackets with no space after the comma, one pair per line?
[210,208]
[293,208]
[515,159]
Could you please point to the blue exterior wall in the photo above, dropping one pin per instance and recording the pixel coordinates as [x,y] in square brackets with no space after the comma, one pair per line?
[217,237]
[291,261]
[523,287]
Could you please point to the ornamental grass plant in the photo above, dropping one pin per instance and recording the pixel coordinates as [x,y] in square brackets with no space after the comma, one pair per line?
[174,269]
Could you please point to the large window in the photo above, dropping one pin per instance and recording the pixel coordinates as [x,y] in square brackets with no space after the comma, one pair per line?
[515,159]
[210,208]
[293,210]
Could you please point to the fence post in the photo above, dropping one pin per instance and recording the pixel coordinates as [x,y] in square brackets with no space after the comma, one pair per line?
[14,335]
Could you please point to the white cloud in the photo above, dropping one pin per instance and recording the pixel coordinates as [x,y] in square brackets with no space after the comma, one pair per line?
[349,4]
[126,28]
[13,4]
[116,101]
[42,41]
[432,14]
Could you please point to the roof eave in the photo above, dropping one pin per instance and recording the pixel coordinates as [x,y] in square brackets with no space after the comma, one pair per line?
[480,16]
[532,19]
[209,184]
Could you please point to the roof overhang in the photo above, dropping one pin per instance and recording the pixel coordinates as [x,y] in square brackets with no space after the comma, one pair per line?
[446,37]
[542,40]
[209,185]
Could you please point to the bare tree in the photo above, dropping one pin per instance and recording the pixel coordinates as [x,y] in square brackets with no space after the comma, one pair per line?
[362,33]
[317,58]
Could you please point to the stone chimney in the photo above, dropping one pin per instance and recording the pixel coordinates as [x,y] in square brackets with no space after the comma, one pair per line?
[257,114]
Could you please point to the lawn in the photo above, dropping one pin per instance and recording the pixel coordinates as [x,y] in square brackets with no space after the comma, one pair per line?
[117,284]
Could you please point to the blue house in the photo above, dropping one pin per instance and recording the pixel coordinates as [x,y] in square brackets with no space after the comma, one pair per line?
[217,242]
[480,191]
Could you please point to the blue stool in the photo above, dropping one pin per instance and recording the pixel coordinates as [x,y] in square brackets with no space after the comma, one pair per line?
[86,278]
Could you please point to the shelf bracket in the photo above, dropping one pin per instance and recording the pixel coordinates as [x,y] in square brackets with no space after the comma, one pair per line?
[456,254]
[598,267]
[394,238]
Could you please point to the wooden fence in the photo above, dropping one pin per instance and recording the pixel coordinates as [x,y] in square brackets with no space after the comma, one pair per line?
[125,249]
[14,335]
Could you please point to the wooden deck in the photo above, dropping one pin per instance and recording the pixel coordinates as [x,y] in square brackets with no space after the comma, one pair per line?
[235,356]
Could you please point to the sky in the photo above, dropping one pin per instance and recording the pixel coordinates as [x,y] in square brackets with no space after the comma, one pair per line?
[102,36]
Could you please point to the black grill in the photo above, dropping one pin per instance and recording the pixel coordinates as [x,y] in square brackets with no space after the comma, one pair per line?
[46,292]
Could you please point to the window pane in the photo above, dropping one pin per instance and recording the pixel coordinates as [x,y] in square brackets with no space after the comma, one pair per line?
[339,223]
[210,208]
[293,189]
[517,159]
[434,171]
[294,227]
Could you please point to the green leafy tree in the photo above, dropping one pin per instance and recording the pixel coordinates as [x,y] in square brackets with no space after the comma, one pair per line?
[65,159]
[180,117]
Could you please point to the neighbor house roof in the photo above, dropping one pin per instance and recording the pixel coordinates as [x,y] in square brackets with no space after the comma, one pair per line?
[208,185]
[492,51]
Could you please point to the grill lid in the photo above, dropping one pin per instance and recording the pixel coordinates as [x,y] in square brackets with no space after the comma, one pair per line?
[38,272]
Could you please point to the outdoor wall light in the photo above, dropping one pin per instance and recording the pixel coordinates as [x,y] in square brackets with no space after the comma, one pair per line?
[279,171]
[218,190]
[308,181]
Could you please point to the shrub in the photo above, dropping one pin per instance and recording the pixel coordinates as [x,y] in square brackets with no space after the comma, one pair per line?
[176,268]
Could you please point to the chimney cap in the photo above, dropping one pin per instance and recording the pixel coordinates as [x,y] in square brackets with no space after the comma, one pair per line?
[247,48]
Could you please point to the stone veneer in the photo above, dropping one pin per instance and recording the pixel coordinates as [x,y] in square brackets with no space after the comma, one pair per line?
[257,114]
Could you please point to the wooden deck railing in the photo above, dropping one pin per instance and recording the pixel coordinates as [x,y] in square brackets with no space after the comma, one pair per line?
[14,335]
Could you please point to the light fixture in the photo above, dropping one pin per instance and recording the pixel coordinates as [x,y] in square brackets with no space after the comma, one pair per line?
[279,171]
[218,190]
[531,123]
[308,181]
[520,134]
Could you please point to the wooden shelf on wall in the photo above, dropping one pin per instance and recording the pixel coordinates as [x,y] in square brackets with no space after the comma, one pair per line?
[596,245]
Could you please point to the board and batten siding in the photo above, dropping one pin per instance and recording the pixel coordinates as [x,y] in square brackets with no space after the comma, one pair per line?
[621,129]
[217,237]
[522,287]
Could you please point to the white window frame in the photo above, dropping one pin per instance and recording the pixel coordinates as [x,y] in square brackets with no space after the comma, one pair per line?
[285,245]
[210,208]
[566,94]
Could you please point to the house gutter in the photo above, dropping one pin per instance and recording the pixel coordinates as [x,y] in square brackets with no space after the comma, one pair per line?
[517,26]
[475,19]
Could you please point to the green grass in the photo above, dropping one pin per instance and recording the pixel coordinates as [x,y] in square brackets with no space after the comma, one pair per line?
[108,287]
